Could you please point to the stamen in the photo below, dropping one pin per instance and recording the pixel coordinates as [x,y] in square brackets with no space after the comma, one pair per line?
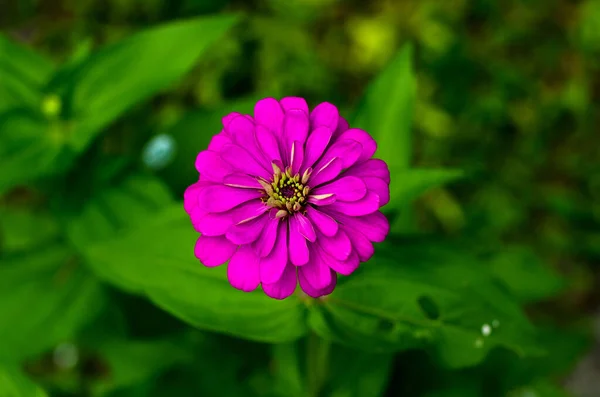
[276,169]
[288,193]
[306,175]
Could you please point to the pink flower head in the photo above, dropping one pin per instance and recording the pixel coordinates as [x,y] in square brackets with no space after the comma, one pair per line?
[288,195]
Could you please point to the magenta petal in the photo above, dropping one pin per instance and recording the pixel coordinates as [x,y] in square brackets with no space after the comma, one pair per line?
[322,199]
[337,246]
[296,156]
[289,103]
[315,146]
[298,246]
[214,224]
[227,119]
[373,226]
[317,293]
[213,251]
[190,196]
[306,228]
[295,125]
[242,181]
[380,188]
[326,224]
[241,129]
[266,241]
[341,127]
[242,161]
[348,188]
[248,211]
[248,232]
[285,286]
[219,198]
[269,113]
[347,150]
[325,114]
[243,132]
[364,206]
[373,168]
[211,166]
[362,246]
[369,146]
[316,271]
[295,128]
[272,266]
[325,173]
[243,269]
[218,141]
[269,144]
[344,267]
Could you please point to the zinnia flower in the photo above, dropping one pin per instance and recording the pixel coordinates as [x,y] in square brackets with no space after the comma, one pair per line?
[288,196]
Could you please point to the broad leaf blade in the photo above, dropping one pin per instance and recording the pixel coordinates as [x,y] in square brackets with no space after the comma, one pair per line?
[386,111]
[22,230]
[137,199]
[14,384]
[411,183]
[434,298]
[28,149]
[45,290]
[525,276]
[157,259]
[119,76]
[23,74]
[143,244]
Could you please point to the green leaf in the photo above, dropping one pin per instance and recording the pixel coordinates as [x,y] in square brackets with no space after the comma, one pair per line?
[15,384]
[435,297]
[28,148]
[564,347]
[386,111]
[22,230]
[136,200]
[117,77]
[129,241]
[157,259]
[409,184]
[525,275]
[24,73]
[45,298]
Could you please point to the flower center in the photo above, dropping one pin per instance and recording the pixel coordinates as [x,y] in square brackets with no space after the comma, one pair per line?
[286,192]
[289,191]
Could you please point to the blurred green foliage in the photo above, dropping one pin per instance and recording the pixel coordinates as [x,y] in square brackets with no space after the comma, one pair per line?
[484,288]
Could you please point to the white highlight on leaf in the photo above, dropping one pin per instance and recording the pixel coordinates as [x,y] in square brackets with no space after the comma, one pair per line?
[486,330]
